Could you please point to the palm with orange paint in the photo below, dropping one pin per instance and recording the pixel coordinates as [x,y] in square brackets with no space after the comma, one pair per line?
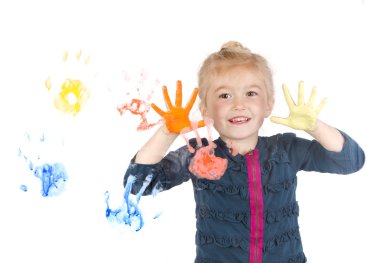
[176,117]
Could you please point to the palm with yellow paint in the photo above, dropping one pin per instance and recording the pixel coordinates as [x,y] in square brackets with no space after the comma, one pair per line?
[73,94]
[72,97]
[302,116]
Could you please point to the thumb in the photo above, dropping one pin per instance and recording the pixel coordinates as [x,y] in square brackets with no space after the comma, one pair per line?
[201,124]
[278,120]
[157,109]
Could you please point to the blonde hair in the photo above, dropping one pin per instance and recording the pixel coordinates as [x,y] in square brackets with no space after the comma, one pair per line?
[231,54]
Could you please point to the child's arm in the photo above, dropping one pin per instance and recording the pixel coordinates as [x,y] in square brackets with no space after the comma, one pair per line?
[329,137]
[304,116]
[176,119]
[156,147]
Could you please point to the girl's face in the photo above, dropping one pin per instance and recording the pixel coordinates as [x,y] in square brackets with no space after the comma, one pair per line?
[237,102]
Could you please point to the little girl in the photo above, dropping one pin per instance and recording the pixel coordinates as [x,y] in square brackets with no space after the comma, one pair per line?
[249,212]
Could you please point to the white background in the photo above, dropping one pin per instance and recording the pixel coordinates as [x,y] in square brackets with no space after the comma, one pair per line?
[331,44]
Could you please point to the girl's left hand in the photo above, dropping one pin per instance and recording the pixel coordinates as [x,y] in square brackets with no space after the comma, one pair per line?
[302,116]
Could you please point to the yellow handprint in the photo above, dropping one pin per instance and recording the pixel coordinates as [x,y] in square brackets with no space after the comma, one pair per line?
[177,117]
[302,116]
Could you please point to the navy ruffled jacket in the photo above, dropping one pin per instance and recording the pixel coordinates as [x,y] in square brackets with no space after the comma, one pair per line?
[251,213]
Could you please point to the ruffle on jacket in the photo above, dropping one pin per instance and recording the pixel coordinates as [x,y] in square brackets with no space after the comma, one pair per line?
[203,239]
[234,217]
[280,186]
[299,258]
[237,166]
[206,260]
[229,189]
[275,158]
[270,216]
[273,216]
[279,240]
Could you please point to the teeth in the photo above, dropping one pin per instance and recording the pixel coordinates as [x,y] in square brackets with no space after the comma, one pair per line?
[239,119]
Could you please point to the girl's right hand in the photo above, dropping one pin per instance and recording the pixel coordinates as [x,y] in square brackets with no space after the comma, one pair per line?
[176,117]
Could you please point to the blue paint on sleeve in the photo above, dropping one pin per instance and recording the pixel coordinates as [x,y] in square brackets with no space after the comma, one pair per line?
[128,213]
[156,189]
[23,187]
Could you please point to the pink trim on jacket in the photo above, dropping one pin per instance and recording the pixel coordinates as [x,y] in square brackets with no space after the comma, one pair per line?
[256,206]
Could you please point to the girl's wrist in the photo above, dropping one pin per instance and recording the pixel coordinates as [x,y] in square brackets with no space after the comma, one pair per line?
[165,131]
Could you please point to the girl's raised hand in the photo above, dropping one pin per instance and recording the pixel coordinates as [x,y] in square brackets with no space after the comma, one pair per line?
[176,117]
[302,116]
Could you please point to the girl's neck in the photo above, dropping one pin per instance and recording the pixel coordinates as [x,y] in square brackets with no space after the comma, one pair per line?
[241,146]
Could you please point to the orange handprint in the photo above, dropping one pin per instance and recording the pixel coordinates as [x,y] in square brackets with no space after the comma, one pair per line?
[176,117]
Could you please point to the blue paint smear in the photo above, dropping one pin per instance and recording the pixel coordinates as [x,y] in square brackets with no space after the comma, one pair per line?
[53,178]
[156,189]
[53,175]
[128,213]
[23,187]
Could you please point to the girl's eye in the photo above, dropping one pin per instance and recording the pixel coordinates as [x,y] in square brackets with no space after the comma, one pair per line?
[224,96]
[252,93]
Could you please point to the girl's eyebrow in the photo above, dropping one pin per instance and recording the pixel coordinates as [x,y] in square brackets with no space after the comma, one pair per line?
[223,87]
[220,88]
[255,86]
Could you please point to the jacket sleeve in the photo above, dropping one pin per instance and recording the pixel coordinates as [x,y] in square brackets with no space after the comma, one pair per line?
[316,158]
[171,171]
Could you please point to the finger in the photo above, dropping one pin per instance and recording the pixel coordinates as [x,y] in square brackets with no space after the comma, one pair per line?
[192,99]
[157,109]
[208,121]
[178,95]
[168,102]
[301,95]
[48,83]
[201,124]
[194,126]
[185,130]
[312,97]
[279,120]
[288,97]
[321,105]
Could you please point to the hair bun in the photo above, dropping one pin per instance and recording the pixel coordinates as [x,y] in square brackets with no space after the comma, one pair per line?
[234,45]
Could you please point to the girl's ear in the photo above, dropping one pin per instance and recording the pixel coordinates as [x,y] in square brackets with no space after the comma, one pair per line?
[268,110]
[202,109]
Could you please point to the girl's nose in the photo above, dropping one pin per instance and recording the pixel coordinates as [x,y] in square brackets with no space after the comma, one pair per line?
[238,103]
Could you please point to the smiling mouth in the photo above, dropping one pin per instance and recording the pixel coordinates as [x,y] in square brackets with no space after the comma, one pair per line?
[239,120]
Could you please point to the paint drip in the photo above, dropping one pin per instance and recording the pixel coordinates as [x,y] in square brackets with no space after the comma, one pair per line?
[205,164]
[128,214]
